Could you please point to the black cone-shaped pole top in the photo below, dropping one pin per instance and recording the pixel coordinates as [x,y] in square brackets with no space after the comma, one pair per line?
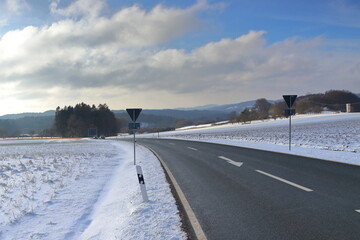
[289,99]
[134,113]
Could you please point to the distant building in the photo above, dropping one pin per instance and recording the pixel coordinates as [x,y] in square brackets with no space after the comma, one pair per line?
[24,135]
[348,107]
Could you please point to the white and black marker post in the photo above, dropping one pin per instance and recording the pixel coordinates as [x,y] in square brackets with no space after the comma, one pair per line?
[289,99]
[134,114]
[142,183]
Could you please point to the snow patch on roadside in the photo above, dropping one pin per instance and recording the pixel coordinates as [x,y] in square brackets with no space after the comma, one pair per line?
[82,189]
[331,136]
[335,156]
[127,216]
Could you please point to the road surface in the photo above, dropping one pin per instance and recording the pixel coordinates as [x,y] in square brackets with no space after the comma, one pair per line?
[239,193]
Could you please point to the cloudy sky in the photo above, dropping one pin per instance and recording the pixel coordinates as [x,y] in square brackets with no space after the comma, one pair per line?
[173,53]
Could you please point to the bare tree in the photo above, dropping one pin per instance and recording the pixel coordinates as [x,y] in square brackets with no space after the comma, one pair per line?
[277,109]
[233,117]
[262,107]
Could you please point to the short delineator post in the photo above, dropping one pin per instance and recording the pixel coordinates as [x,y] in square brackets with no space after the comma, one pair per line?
[142,184]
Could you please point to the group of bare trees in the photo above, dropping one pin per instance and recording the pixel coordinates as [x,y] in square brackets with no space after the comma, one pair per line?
[333,100]
[262,109]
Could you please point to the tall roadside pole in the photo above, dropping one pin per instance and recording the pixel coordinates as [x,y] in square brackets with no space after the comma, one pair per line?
[289,99]
[134,114]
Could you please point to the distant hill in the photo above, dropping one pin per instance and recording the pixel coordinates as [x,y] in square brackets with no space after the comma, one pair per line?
[204,107]
[236,107]
[166,117]
[25,125]
[149,118]
[16,124]
[29,114]
[228,108]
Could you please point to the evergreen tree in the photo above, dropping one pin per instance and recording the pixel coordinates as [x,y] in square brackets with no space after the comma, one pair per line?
[75,121]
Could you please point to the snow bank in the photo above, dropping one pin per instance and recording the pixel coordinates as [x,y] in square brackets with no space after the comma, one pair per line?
[82,189]
[334,137]
[328,155]
[119,216]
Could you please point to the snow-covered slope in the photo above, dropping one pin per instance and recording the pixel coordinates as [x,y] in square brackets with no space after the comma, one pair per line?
[82,189]
[88,189]
[329,136]
[338,132]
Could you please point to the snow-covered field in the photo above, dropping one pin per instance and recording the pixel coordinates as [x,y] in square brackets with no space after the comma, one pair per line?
[88,189]
[331,136]
[82,189]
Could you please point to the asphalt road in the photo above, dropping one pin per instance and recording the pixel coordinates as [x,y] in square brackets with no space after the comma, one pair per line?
[239,193]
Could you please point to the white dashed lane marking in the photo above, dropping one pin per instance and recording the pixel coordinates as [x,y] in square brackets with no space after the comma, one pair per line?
[192,148]
[285,181]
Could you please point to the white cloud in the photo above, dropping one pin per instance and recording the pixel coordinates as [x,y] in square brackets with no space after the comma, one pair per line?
[3,21]
[87,45]
[17,6]
[79,8]
[105,57]
[230,64]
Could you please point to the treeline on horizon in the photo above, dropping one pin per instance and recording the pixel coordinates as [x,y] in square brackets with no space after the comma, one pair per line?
[332,100]
[75,121]
[30,125]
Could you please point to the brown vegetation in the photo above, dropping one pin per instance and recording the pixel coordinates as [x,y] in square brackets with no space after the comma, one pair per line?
[333,100]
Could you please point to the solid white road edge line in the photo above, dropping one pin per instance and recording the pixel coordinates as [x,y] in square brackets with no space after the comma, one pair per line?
[192,148]
[285,181]
[238,164]
[357,211]
[189,212]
